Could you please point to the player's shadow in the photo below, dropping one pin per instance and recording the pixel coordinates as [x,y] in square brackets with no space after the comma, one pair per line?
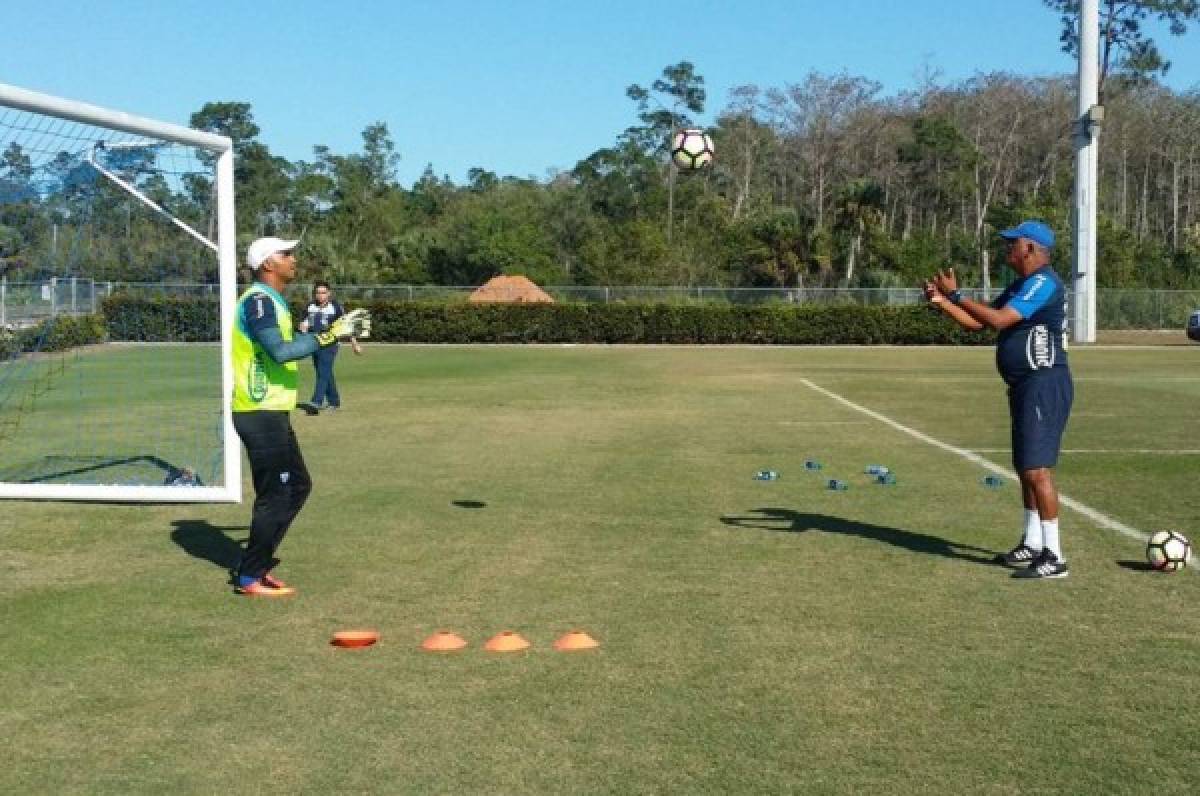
[200,539]
[791,521]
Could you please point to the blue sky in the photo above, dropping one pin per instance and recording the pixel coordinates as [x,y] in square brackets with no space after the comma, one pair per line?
[518,87]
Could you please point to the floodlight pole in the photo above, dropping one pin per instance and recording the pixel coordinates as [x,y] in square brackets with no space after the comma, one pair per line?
[1087,146]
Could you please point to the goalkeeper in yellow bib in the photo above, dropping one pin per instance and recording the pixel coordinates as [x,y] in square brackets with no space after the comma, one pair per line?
[266,350]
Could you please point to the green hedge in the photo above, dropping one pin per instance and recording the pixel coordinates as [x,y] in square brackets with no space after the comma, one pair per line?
[57,334]
[196,319]
[192,320]
[147,319]
[663,323]
[1146,309]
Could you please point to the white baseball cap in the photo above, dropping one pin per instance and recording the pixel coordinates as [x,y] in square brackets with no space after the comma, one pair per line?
[263,248]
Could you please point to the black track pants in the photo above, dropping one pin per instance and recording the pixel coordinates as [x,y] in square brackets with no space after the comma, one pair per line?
[281,484]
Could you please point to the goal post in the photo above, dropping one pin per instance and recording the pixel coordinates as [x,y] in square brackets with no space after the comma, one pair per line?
[125,395]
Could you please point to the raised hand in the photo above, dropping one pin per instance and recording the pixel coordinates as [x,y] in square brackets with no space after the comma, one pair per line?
[354,325]
[946,281]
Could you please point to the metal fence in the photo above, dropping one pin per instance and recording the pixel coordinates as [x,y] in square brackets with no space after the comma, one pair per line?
[611,294]
[25,303]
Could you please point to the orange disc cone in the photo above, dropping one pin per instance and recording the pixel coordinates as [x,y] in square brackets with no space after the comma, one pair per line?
[506,641]
[354,638]
[443,641]
[576,640]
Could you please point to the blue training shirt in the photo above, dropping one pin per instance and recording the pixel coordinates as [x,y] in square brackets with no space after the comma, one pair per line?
[1039,340]
[258,314]
[260,323]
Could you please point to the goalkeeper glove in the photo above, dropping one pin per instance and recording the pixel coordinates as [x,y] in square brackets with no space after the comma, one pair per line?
[354,324]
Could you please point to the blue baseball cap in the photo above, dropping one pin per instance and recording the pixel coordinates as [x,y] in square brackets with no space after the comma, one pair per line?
[1036,231]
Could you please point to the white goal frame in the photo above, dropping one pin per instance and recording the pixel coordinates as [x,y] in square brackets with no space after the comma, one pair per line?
[226,249]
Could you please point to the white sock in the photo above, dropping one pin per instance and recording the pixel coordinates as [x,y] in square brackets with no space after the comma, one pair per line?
[1033,530]
[1050,537]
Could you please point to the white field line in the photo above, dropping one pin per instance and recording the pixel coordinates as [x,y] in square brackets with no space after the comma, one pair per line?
[1103,520]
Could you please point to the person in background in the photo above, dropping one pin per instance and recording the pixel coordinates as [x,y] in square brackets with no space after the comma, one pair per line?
[319,316]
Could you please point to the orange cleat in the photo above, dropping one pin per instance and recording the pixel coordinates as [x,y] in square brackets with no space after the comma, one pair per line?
[258,588]
[275,583]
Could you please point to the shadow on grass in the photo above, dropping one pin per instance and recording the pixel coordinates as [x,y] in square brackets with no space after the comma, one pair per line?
[469,504]
[145,469]
[1137,566]
[199,539]
[791,521]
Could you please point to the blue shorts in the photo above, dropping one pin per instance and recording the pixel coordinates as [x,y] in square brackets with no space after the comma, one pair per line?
[1039,405]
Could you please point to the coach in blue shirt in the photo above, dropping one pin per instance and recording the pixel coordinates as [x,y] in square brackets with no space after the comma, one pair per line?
[1031,355]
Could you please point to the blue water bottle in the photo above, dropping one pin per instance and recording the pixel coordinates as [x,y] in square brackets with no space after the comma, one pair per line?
[812,464]
[993,481]
[766,475]
[837,486]
[885,478]
[876,469]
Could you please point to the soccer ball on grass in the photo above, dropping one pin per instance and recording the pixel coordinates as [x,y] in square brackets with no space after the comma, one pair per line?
[1168,551]
[691,149]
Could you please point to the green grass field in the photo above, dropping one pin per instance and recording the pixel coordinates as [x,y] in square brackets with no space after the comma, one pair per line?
[110,414]
[756,637]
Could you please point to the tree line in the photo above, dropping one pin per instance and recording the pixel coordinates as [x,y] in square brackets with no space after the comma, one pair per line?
[826,181]
[822,182]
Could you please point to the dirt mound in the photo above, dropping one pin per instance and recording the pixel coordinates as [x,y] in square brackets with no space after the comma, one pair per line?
[516,289]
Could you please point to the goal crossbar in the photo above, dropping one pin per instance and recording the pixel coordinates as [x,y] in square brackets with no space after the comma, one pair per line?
[32,101]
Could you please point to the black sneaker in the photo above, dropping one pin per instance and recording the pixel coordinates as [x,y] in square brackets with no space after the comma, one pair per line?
[308,408]
[1020,556]
[1046,565]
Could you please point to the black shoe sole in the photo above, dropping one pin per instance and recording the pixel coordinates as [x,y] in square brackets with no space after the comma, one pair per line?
[1019,576]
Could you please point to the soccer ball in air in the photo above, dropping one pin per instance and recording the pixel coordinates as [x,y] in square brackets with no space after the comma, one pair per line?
[691,149]
[1169,551]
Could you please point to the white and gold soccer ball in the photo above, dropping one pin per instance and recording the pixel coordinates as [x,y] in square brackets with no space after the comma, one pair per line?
[691,149]
[1169,551]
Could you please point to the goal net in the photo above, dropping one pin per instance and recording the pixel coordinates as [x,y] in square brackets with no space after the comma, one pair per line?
[117,279]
